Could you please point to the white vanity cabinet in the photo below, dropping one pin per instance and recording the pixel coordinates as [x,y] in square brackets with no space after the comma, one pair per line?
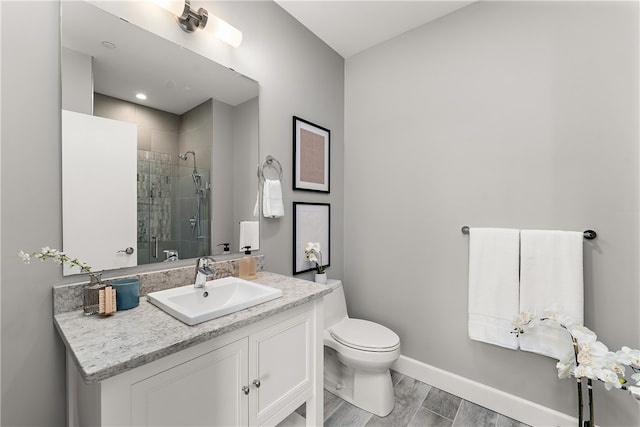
[256,375]
[204,391]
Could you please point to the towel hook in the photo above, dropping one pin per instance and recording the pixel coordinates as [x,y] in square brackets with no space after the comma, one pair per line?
[274,163]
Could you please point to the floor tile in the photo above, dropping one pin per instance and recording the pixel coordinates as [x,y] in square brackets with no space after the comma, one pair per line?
[472,415]
[348,415]
[396,377]
[331,403]
[417,405]
[504,421]
[442,403]
[426,418]
[410,393]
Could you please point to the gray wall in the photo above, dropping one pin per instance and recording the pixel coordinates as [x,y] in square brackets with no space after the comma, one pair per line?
[507,114]
[298,75]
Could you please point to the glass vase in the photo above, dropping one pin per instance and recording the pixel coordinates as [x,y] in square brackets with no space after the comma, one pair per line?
[91,295]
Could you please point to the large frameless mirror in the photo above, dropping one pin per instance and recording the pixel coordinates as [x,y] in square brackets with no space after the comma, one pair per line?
[169,176]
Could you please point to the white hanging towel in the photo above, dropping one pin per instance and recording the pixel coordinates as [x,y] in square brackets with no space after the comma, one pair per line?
[493,285]
[272,205]
[551,278]
[249,235]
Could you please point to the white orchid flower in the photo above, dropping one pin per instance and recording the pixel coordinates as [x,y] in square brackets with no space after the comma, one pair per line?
[628,356]
[565,367]
[582,334]
[609,378]
[593,359]
[582,371]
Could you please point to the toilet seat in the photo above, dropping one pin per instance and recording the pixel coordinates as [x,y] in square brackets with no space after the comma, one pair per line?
[365,335]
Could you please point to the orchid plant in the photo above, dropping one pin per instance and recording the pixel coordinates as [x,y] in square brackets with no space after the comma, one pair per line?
[313,253]
[591,359]
[56,255]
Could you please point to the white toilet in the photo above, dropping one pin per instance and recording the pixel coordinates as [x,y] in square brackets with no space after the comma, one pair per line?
[357,356]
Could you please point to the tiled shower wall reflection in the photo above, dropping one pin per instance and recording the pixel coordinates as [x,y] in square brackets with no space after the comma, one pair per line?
[167,209]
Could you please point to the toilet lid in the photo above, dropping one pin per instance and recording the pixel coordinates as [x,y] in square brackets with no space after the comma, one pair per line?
[365,335]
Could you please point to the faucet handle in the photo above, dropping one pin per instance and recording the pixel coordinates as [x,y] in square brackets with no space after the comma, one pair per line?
[204,265]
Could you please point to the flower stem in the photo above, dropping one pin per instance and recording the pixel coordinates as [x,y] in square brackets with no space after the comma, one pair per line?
[592,422]
[579,381]
[580,404]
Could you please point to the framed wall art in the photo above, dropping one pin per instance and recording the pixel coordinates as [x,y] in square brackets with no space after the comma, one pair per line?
[311,223]
[310,156]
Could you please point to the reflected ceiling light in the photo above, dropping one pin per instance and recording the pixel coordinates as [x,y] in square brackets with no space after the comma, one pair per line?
[190,20]
[141,96]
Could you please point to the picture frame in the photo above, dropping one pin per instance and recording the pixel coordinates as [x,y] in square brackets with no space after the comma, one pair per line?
[311,156]
[311,223]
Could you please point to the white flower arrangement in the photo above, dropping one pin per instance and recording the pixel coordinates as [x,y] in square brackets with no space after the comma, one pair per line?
[591,359]
[313,253]
[54,254]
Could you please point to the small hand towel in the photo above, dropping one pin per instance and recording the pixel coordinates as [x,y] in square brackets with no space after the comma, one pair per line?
[272,205]
[551,278]
[493,285]
[249,235]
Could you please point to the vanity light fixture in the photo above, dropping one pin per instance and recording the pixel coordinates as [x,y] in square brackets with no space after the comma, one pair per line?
[190,20]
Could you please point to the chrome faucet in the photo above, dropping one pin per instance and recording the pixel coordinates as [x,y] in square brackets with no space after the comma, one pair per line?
[170,255]
[203,271]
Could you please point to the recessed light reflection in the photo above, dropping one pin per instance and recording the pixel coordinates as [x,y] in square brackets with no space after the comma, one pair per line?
[141,96]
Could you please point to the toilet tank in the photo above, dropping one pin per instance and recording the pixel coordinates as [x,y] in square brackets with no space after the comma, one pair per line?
[335,305]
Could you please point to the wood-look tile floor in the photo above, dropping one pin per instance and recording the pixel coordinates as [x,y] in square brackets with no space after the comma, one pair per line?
[417,405]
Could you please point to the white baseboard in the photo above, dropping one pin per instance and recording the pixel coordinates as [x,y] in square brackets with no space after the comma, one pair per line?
[507,404]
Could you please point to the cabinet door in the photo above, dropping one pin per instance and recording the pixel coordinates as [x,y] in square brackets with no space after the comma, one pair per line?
[280,358]
[205,391]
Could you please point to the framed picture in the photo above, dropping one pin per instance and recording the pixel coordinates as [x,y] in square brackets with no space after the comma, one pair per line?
[310,156]
[311,223]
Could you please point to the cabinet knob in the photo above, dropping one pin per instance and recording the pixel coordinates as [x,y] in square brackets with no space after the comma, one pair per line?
[256,383]
[245,389]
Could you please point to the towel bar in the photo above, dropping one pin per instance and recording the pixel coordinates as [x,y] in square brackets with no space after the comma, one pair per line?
[270,161]
[588,234]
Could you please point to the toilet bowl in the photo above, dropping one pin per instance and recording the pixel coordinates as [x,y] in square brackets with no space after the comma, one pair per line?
[357,356]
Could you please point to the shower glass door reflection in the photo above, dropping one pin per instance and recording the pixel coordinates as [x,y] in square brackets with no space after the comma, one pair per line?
[173,210]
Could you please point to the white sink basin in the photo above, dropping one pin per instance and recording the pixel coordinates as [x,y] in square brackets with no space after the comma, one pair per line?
[218,298]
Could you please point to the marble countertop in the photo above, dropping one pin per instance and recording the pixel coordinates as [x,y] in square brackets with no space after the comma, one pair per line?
[103,347]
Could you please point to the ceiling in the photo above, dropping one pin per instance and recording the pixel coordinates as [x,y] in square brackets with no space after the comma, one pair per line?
[351,26]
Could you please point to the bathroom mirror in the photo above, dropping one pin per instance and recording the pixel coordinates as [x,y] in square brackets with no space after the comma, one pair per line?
[195,145]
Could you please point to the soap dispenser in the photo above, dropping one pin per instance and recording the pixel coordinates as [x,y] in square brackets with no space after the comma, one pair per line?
[247,265]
